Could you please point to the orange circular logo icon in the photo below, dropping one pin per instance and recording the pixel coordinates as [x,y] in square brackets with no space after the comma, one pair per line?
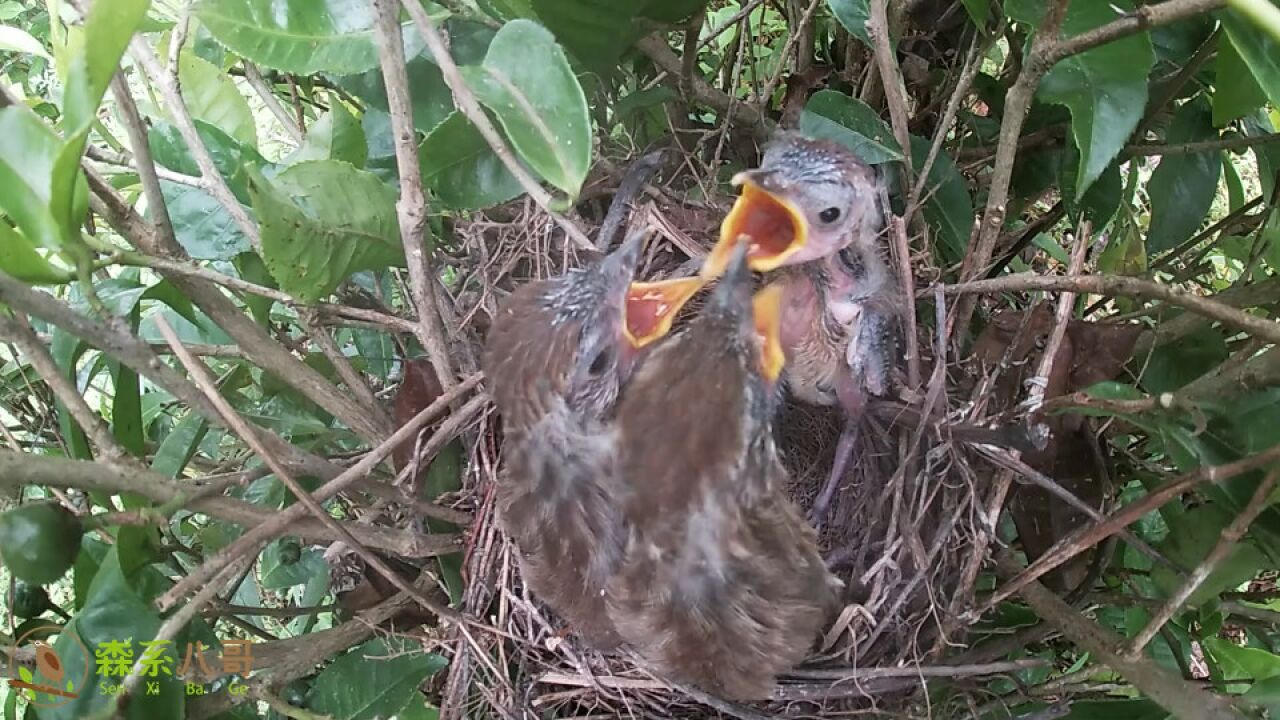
[44,680]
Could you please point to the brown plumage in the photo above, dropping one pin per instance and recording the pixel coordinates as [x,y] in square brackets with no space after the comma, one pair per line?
[556,359]
[721,584]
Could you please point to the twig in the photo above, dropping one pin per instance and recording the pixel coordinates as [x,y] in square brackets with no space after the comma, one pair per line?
[260,86]
[793,33]
[1062,315]
[1181,698]
[411,207]
[1234,143]
[749,116]
[1123,286]
[1144,17]
[898,233]
[1226,541]
[145,56]
[891,81]
[350,377]
[1086,537]
[205,381]
[17,330]
[443,434]
[144,164]
[466,102]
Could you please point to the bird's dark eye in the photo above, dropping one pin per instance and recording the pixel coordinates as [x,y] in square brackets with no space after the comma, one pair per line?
[601,362]
[829,215]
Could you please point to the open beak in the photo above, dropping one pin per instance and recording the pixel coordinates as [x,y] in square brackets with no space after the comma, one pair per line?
[652,307]
[766,308]
[774,227]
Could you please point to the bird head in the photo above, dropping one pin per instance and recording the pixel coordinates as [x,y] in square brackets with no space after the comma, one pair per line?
[752,323]
[580,334]
[808,199]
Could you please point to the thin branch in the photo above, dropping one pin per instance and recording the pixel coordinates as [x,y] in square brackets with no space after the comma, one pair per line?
[204,379]
[137,355]
[411,207]
[1226,541]
[144,164]
[350,376]
[748,116]
[1234,143]
[260,86]
[1181,698]
[1144,17]
[793,33]
[891,81]
[466,102]
[921,671]
[146,58]
[276,526]
[1121,286]
[19,332]
[24,469]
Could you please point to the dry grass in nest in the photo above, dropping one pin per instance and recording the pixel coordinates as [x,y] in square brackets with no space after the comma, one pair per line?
[899,531]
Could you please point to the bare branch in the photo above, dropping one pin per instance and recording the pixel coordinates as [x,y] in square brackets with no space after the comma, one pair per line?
[268,97]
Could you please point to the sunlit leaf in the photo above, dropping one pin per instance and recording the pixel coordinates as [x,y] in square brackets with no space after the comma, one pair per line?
[337,135]
[1260,52]
[212,96]
[19,258]
[17,40]
[526,81]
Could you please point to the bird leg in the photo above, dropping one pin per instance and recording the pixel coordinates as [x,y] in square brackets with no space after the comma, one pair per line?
[854,402]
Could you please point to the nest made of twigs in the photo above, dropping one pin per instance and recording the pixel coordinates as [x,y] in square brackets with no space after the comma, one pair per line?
[898,530]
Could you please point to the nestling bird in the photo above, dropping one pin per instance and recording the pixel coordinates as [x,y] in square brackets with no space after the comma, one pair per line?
[812,212]
[556,358]
[721,583]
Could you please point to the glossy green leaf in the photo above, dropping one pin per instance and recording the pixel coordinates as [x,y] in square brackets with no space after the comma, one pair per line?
[126,410]
[1182,188]
[597,32]
[95,57]
[853,16]
[1104,88]
[832,115]
[431,99]
[978,10]
[229,156]
[19,258]
[115,611]
[948,208]
[28,152]
[461,170]
[180,445]
[1242,663]
[337,135]
[296,36]
[17,40]
[1235,92]
[202,225]
[322,221]
[376,679]
[526,81]
[212,96]
[1260,52]
[251,268]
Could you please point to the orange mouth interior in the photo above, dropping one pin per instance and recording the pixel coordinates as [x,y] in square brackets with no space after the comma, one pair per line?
[766,308]
[775,228]
[652,307]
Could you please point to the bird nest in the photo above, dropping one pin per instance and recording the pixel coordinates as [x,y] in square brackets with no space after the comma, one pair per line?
[900,530]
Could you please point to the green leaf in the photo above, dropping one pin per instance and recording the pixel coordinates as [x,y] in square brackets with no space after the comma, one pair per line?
[1242,663]
[229,156]
[834,116]
[212,96]
[107,30]
[323,220]
[126,409]
[16,40]
[948,208]
[526,81]
[251,268]
[430,97]
[377,679]
[1182,188]
[114,612]
[302,37]
[1235,92]
[278,574]
[1261,53]
[29,151]
[180,445]
[201,224]
[19,258]
[1105,88]
[168,293]
[853,16]
[1191,536]
[461,170]
[978,11]
[1173,365]
[597,32]
[337,135]
[1101,200]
